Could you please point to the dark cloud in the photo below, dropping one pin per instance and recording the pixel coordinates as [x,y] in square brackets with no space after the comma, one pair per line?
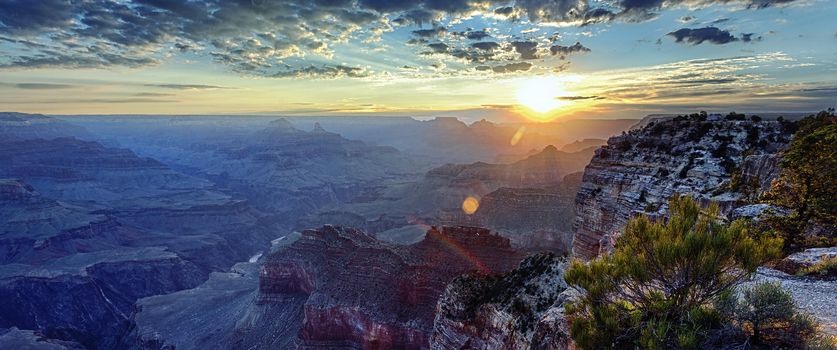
[438,47]
[697,36]
[324,71]
[486,45]
[563,51]
[749,37]
[430,33]
[512,67]
[579,98]
[473,34]
[42,86]
[528,50]
[504,11]
[86,59]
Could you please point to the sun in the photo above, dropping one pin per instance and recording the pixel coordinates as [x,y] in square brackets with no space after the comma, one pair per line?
[540,94]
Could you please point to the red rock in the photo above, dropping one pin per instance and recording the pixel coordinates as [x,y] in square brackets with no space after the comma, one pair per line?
[366,293]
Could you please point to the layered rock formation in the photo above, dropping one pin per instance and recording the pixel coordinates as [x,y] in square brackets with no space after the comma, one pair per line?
[80,221]
[522,309]
[533,218]
[711,158]
[362,293]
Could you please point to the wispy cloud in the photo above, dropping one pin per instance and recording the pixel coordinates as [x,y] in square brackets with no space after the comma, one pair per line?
[188,86]
[42,86]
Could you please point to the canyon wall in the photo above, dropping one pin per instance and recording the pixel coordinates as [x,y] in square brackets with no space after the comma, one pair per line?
[361,292]
[727,160]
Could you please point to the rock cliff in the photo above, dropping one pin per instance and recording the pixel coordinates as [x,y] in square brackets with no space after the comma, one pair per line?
[521,309]
[723,159]
[362,293]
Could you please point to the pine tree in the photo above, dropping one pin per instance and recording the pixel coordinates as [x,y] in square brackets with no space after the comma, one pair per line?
[657,289]
[807,183]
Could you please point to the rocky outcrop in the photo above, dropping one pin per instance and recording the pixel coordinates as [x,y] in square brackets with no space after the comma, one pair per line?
[361,292]
[725,160]
[522,309]
[800,260]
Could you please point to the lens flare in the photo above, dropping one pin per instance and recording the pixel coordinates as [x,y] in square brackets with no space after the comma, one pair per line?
[518,135]
[470,205]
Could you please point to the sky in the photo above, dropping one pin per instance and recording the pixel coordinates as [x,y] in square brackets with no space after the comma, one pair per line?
[501,60]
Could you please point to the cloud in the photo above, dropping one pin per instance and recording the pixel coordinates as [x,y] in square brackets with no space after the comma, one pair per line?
[564,51]
[528,50]
[325,71]
[279,38]
[748,37]
[42,86]
[579,98]
[430,33]
[152,94]
[476,34]
[712,35]
[512,67]
[187,86]
[438,47]
[486,45]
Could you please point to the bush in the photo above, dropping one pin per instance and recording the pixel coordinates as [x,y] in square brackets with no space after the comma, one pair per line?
[657,289]
[767,314]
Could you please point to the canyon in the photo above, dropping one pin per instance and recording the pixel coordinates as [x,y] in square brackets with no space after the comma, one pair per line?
[255,232]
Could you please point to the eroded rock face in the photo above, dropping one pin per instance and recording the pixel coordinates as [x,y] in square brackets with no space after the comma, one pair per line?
[522,309]
[535,219]
[720,160]
[361,292]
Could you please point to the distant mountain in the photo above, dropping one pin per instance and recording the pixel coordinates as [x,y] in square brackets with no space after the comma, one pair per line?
[538,182]
[36,126]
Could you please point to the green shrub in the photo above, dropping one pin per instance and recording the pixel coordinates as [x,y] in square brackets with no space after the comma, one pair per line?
[657,289]
[767,314]
[807,182]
